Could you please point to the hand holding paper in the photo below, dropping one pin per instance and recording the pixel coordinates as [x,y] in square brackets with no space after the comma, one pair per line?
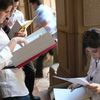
[21,33]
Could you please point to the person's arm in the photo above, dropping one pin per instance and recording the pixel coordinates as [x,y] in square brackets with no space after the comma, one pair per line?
[74,86]
[42,24]
[6,52]
[14,41]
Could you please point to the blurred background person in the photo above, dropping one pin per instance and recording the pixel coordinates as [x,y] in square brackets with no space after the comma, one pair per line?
[47,19]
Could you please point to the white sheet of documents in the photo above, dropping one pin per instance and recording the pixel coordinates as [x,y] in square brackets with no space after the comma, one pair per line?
[80,80]
[67,94]
[39,43]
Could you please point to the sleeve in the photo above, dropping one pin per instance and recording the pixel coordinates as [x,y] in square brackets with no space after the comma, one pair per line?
[5,56]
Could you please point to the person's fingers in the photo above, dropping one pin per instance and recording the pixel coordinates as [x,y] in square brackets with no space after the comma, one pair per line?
[70,86]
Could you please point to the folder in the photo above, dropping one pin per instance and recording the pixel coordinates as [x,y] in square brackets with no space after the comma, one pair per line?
[39,43]
[18,26]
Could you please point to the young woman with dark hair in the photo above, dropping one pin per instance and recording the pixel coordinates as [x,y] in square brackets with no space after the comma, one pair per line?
[91,45]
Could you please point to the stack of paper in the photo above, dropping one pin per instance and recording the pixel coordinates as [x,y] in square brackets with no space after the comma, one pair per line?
[39,43]
[18,26]
[67,94]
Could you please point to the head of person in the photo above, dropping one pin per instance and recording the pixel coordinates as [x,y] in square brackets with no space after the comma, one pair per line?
[5,8]
[35,3]
[15,5]
[91,42]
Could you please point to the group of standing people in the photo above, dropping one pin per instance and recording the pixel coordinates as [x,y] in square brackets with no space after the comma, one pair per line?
[17,84]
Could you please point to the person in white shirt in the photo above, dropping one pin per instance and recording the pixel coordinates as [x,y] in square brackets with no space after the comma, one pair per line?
[91,45]
[17,15]
[47,19]
[45,16]
[12,86]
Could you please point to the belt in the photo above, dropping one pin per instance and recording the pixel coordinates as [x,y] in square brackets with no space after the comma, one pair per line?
[9,67]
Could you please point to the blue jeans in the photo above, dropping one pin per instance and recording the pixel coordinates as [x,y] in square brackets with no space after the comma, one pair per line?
[18,98]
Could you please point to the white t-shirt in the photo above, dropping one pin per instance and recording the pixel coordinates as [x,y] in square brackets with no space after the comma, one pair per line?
[45,14]
[16,16]
[11,80]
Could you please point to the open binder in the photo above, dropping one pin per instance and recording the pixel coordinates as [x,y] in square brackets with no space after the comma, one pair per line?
[78,80]
[39,43]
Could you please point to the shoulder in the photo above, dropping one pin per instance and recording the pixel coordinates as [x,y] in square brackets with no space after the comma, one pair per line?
[18,12]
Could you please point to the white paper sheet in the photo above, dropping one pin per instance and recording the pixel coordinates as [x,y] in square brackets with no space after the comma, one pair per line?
[67,94]
[80,80]
[32,37]
[38,43]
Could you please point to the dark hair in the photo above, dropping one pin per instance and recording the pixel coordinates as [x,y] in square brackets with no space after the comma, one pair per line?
[4,4]
[38,2]
[91,38]
[16,0]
